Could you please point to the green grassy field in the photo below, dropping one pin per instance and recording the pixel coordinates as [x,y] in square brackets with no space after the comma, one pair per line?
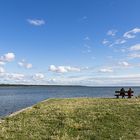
[75,119]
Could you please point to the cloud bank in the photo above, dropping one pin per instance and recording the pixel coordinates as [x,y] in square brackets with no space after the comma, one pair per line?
[63,69]
[36,22]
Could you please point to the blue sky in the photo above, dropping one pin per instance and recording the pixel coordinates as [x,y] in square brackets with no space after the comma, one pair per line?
[74,42]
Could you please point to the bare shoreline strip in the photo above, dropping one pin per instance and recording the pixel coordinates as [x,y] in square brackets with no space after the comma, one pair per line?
[21,110]
[24,109]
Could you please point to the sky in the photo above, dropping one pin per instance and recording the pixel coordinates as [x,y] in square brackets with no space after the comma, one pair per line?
[70,42]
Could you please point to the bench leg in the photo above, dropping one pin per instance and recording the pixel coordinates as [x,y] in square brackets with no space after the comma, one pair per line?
[123,97]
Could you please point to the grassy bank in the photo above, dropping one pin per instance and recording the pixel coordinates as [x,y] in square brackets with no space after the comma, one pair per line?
[75,119]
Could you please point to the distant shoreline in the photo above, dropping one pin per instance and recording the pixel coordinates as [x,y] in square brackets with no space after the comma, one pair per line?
[22,85]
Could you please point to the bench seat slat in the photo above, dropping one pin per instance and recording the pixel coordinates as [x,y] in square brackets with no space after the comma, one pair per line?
[121,95]
[125,91]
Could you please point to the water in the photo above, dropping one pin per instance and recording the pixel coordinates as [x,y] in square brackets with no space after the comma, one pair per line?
[14,98]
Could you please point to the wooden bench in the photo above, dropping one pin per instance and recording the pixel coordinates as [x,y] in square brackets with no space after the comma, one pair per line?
[117,95]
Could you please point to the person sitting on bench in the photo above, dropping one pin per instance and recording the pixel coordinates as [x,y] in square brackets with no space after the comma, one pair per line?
[129,93]
[122,92]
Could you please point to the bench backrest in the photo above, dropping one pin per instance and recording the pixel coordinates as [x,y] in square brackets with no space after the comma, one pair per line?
[125,91]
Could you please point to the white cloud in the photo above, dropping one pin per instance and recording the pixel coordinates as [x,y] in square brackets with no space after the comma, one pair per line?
[19,78]
[135,47]
[117,42]
[105,41]
[96,80]
[123,50]
[2,70]
[128,79]
[28,66]
[15,76]
[7,57]
[63,69]
[120,41]
[124,63]
[87,48]
[24,64]
[127,35]
[132,33]
[2,63]
[134,55]
[112,32]
[106,70]
[38,76]
[36,22]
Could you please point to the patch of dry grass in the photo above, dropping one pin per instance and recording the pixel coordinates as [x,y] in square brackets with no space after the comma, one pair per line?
[75,119]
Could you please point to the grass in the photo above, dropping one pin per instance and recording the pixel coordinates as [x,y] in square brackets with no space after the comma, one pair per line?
[75,119]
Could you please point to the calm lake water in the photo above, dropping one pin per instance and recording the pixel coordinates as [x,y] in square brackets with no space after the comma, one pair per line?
[14,98]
